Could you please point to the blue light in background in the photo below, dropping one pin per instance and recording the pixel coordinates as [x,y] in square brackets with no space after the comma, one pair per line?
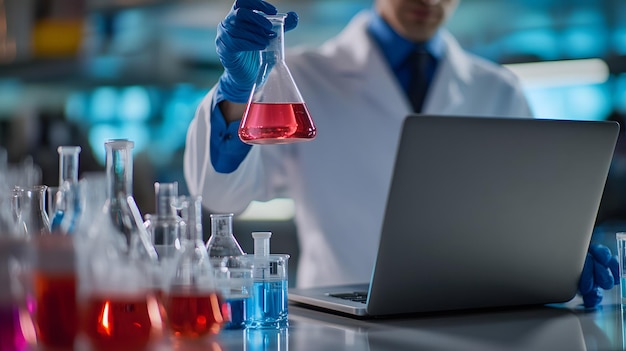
[134,104]
[99,134]
[76,107]
[104,102]
[619,41]
[620,93]
[582,102]
[178,111]
[542,43]
[584,42]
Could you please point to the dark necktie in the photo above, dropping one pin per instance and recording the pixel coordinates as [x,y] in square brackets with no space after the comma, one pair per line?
[418,84]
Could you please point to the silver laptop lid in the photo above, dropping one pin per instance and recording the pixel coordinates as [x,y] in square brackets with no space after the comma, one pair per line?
[487,212]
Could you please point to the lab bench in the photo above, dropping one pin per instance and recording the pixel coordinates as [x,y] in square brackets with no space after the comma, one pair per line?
[565,326]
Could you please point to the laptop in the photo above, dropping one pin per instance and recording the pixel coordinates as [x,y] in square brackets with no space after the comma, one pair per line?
[482,213]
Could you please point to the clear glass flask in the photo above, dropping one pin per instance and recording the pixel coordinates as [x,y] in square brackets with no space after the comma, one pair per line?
[120,203]
[276,112]
[53,275]
[164,226]
[13,261]
[66,202]
[30,206]
[222,242]
[117,288]
[192,301]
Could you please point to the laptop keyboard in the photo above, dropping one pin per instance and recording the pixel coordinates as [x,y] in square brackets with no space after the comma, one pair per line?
[356,296]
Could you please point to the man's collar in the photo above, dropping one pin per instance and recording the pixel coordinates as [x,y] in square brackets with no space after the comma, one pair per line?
[395,48]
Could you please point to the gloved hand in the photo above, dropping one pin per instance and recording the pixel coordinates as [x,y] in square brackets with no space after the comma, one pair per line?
[240,37]
[601,270]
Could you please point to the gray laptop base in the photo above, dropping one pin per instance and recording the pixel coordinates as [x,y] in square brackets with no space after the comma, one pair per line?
[483,213]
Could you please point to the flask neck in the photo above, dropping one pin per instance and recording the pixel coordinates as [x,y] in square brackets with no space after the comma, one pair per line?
[192,214]
[221,225]
[166,195]
[119,168]
[275,51]
[68,163]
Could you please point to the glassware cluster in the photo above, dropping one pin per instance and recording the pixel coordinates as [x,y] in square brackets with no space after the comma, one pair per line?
[79,265]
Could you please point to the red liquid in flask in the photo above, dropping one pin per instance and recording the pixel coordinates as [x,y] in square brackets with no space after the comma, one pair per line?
[276,123]
[118,323]
[56,316]
[194,315]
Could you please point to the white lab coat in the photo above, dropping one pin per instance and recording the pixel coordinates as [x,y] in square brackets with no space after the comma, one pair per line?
[340,180]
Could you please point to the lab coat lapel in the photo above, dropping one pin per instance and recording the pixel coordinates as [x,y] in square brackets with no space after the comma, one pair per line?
[445,94]
[360,59]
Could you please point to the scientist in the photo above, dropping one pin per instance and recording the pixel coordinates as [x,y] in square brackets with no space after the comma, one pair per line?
[358,89]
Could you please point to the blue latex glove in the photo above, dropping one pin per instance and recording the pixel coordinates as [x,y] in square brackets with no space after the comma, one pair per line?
[601,270]
[240,37]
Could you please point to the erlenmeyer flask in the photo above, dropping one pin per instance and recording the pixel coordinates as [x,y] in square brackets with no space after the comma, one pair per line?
[222,242]
[117,288]
[53,272]
[276,112]
[192,301]
[32,216]
[13,261]
[66,200]
[120,203]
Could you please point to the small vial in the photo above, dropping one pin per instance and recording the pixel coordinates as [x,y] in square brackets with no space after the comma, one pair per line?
[621,254]
[268,307]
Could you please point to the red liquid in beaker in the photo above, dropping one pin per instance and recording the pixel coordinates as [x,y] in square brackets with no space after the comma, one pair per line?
[194,315]
[56,316]
[276,123]
[118,323]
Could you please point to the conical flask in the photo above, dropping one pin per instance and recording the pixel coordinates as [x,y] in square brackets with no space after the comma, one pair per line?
[222,242]
[117,286]
[32,216]
[276,112]
[120,203]
[192,300]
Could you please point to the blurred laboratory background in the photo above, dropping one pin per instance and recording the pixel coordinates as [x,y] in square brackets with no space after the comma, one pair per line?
[79,72]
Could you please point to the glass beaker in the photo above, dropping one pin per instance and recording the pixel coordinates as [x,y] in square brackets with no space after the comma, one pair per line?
[268,307]
[276,112]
